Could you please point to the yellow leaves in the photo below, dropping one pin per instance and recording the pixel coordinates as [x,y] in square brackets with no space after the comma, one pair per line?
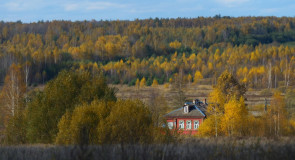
[276,115]
[210,126]
[111,45]
[110,48]
[217,98]
[166,85]
[261,70]
[245,70]
[193,58]
[13,89]
[64,135]
[198,76]
[217,55]
[176,44]
[174,57]
[81,126]
[210,66]
[128,122]
[253,57]
[75,52]
[137,83]
[143,82]
[189,78]
[155,83]
[242,74]
[234,118]
[226,115]
[257,71]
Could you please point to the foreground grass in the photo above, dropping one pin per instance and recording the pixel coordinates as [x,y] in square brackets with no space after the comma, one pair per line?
[221,148]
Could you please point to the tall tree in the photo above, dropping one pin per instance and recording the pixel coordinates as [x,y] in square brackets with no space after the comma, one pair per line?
[13,89]
[277,116]
[226,103]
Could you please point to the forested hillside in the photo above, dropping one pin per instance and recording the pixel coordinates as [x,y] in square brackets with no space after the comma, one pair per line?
[154,50]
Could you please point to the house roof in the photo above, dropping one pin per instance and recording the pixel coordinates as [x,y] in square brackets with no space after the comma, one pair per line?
[195,112]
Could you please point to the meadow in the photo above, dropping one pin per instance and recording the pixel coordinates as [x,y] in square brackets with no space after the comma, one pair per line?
[191,148]
[255,97]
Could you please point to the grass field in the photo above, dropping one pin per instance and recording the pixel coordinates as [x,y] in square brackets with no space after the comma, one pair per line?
[220,148]
[254,97]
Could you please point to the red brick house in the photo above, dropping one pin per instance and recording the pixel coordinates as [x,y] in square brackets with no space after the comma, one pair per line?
[187,118]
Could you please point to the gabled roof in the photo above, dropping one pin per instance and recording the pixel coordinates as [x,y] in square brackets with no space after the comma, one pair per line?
[195,112]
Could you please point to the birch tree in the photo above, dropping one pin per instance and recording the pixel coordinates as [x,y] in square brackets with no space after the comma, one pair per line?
[13,89]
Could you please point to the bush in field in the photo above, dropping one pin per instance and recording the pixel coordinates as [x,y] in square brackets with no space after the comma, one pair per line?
[15,132]
[124,121]
[80,126]
[62,94]
[129,122]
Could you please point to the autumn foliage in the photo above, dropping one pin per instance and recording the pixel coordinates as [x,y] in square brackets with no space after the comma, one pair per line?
[229,116]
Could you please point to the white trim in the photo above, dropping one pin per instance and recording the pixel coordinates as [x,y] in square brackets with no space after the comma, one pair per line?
[188,126]
[196,124]
[181,125]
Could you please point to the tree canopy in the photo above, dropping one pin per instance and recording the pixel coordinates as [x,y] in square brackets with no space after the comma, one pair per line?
[61,95]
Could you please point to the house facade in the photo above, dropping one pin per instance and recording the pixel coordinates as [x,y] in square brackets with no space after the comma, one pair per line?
[187,118]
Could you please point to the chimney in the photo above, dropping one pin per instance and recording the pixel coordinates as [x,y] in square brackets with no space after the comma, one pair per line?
[196,102]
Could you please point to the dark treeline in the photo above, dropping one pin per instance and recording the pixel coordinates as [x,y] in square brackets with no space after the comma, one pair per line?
[45,48]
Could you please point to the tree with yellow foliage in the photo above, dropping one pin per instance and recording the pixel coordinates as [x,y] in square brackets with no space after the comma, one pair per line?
[80,126]
[215,110]
[12,105]
[226,97]
[197,77]
[276,115]
[13,90]
[142,82]
[102,122]
[234,119]
[155,83]
[129,122]
[176,44]
[210,127]
[189,79]
[137,83]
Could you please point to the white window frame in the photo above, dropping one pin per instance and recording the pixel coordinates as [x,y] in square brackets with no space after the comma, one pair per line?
[181,124]
[188,124]
[196,124]
[170,125]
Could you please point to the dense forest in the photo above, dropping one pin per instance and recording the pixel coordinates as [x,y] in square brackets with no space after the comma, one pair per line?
[154,49]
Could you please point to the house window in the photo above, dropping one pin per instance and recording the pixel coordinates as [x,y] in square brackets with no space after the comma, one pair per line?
[170,125]
[188,124]
[196,124]
[181,124]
